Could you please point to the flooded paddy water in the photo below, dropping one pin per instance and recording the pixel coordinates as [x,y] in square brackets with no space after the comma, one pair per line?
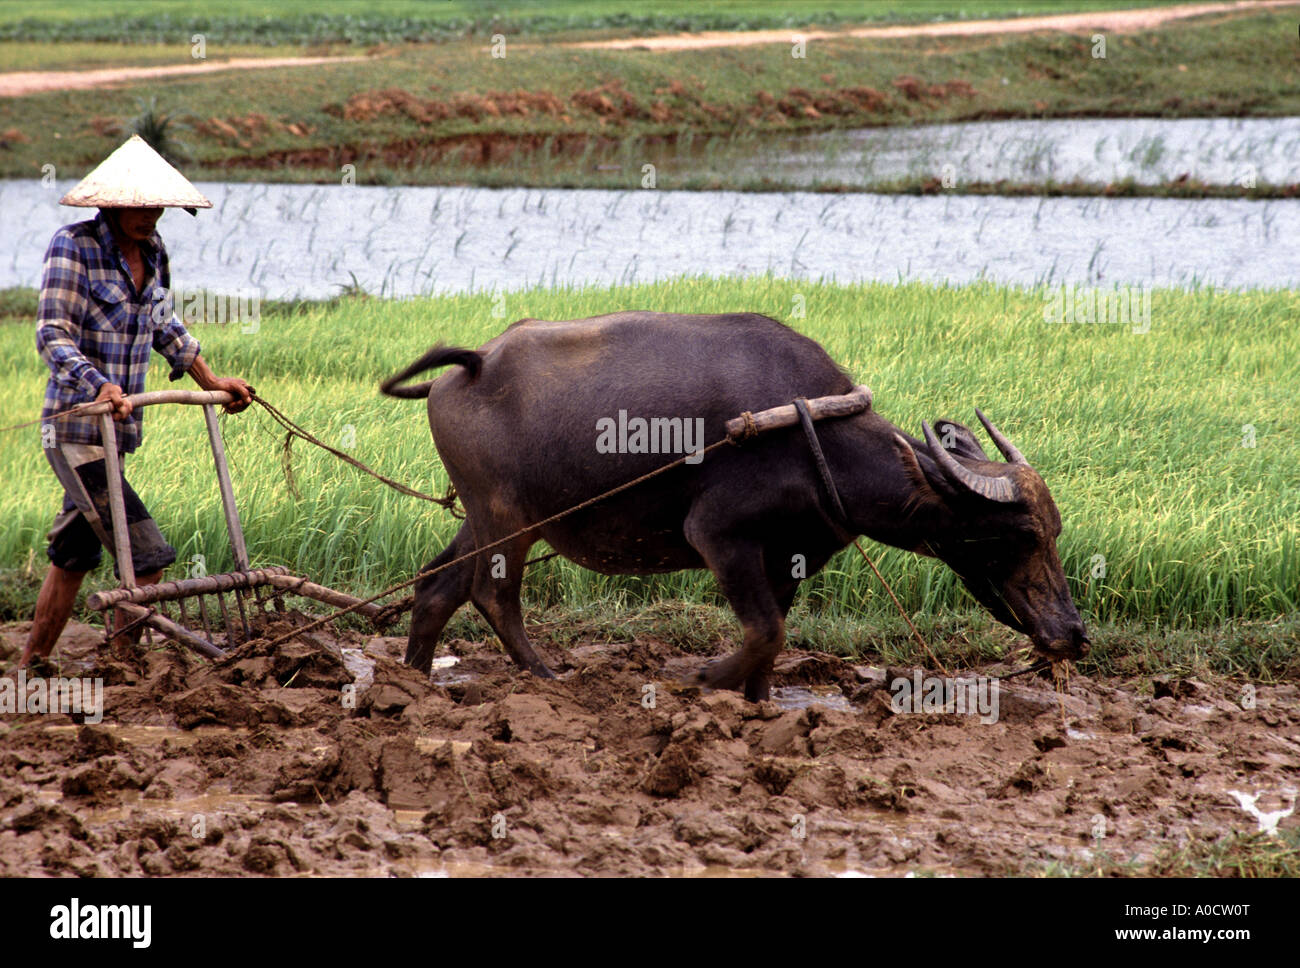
[284,241]
[1100,151]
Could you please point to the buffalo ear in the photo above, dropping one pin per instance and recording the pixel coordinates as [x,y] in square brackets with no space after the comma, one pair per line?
[958,440]
[925,492]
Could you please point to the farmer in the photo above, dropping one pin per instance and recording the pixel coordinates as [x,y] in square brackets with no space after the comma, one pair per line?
[105,302]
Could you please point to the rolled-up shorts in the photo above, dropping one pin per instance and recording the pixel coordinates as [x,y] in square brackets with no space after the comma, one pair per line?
[84,526]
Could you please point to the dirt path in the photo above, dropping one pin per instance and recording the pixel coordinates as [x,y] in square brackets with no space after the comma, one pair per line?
[1115,20]
[19,83]
[308,760]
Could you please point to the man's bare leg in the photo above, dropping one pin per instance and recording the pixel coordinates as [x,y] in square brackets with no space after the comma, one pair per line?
[53,608]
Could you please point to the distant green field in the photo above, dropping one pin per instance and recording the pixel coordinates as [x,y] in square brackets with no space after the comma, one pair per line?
[322,21]
[1139,436]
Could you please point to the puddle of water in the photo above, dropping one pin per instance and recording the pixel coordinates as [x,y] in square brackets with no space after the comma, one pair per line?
[153,735]
[801,697]
[443,676]
[717,871]
[438,869]
[456,678]
[362,667]
[712,871]
[359,665]
[209,805]
[304,240]
[870,673]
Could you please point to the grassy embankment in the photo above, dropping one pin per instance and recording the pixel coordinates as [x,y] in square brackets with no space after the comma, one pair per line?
[552,115]
[1140,438]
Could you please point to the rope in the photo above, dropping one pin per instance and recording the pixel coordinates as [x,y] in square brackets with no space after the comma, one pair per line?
[751,428]
[57,415]
[901,611]
[447,501]
[389,613]
[1036,667]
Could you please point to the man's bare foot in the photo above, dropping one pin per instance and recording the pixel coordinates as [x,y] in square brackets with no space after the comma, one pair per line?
[37,665]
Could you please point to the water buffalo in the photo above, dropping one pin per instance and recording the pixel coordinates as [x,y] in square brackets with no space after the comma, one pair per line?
[523,427]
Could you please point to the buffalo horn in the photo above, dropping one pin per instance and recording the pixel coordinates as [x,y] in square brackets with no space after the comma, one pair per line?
[1000,489]
[1007,447]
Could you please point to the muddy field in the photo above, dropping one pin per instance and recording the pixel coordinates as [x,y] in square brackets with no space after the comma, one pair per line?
[334,759]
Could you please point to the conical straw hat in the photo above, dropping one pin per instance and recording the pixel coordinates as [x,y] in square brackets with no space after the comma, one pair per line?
[135,176]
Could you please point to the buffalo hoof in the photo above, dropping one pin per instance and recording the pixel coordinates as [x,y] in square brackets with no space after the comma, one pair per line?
[422,664]
[758,688]
[733,673]
[721,674]
[540,670]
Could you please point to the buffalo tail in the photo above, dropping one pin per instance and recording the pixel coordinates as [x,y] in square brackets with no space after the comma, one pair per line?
[436,357]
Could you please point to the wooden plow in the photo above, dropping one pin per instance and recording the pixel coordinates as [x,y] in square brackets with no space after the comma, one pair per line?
[247,586]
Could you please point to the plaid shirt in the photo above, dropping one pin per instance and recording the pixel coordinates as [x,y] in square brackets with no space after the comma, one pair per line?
[93,327]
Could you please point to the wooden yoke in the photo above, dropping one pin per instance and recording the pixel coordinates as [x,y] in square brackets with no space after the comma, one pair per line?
[748,424]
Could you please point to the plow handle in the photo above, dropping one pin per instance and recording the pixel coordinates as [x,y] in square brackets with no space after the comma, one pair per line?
[197,397]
